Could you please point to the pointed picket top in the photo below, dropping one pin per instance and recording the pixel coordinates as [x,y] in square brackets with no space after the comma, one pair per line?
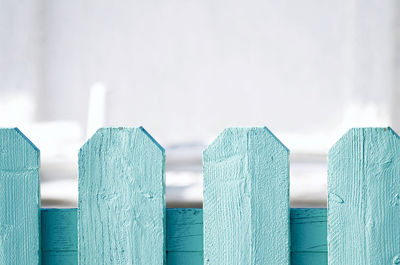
[20,197]
[11,139]
[363,200]
[121,190]
[241,131]
[353,131]
[246,185]
[24,137]
[140,131]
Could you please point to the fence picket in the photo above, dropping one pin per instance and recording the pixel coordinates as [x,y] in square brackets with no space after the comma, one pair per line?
[121,216]
[363,198]
[246,199]
[20,199]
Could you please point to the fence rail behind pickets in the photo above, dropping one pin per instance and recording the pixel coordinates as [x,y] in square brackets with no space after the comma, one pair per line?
[122,219]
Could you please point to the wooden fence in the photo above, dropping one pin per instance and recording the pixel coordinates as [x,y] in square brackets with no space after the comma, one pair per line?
[246,220]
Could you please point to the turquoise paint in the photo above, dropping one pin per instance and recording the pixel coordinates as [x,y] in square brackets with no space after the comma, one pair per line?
[121,217]
[122,206]
[184,236]
[310,258]
[308,236]
[246,199]
[308,227]
[20,199]
[59,237]
[363,198]
[184,230]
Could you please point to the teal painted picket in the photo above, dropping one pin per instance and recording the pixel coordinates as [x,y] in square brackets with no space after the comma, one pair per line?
[20,199]
[246,186]
[121,199]
[364,198]
[122,217]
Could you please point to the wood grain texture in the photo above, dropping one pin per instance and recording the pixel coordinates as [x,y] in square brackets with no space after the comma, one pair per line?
[184,236]
[20,199]
[59,237]
[184,230]
[121,217]
[246,199]
[308,236]
[308,230]
[364,198]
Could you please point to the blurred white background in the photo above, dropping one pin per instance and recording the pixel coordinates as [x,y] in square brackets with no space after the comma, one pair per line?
[185,70]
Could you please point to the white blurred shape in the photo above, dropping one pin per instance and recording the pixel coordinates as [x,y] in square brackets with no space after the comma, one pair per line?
[366,114]
[16,107]
[97,108]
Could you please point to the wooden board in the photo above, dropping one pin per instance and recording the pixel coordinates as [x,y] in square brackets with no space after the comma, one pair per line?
[59,237]
[121,218]
[184,236]
[364,200]
[246,199]
[308,236]
[20,199]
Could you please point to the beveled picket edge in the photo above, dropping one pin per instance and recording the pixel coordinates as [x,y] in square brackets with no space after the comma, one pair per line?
[20,197]
[185,236]
[363,198]
[246,180]
[121,190]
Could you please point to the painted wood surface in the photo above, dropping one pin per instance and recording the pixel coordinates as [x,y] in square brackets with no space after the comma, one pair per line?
[364,198]
[121,217]
[20,199]
[184,236]
[59,237]
[308,236]
[246,199]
